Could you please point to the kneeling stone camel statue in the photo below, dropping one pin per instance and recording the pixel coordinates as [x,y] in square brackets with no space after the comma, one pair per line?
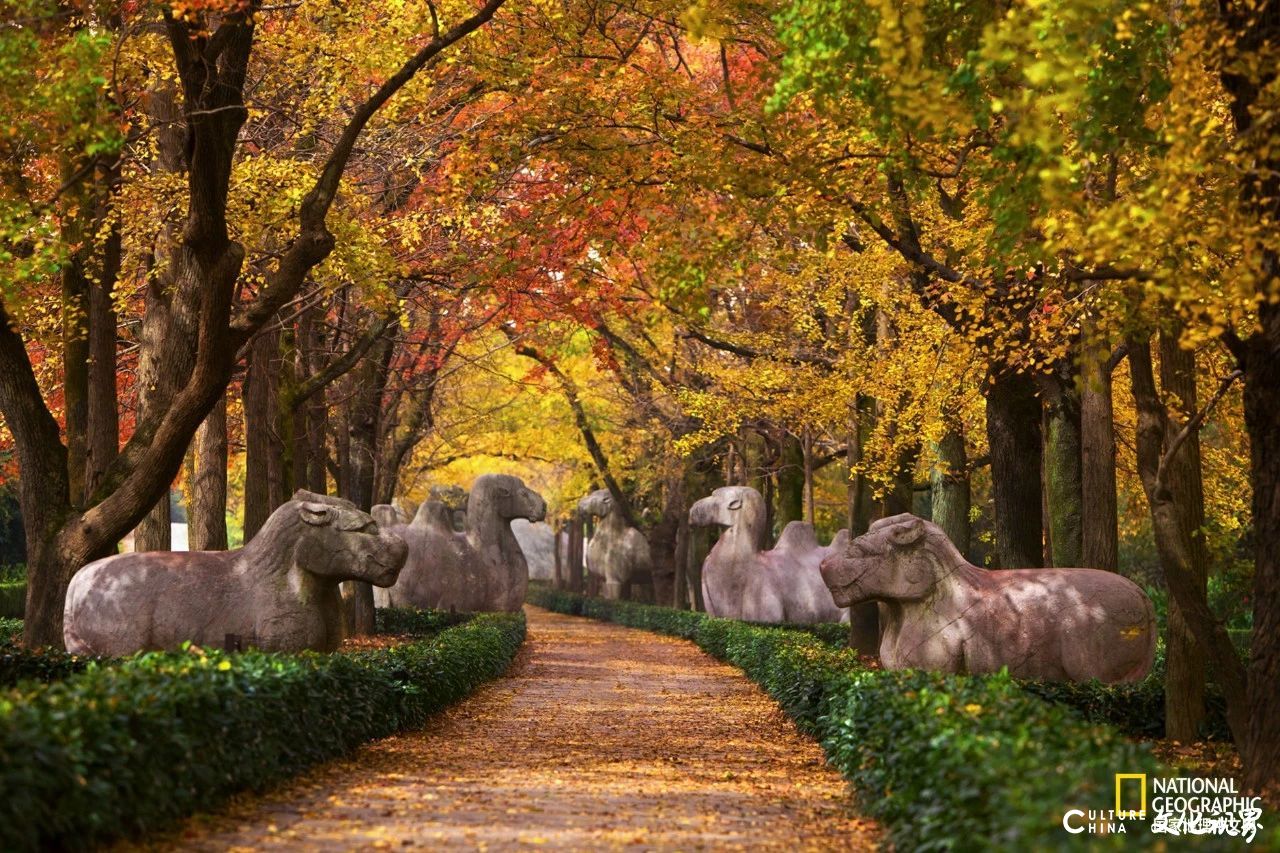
[618,552]
[741,581]
[279,592]
[939,612]
[482,569]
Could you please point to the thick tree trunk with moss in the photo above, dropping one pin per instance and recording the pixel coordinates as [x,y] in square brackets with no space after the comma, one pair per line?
[1185,680]
[1099,546]
[1013,435]
[1062,470]
[949,482]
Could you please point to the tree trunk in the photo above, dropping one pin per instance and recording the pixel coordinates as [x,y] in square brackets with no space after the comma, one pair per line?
[901,496]
[76,316]
[1185,679]
[949,481]
[259,415]
[1062,468]
[575,554]
[207,483]
[1248,70]
[365,408]
[290,454]
[861,503]
[790,478]
[1174,541]
[1262,419]
[680,593]
[104,419]
[1013,434]
[698,548]
[1099,546]
[810,511]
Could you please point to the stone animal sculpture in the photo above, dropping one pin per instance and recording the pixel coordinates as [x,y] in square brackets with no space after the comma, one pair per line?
[537,542]
[939,612]
[740,580]
[279,592]
[480,569]
[617,552]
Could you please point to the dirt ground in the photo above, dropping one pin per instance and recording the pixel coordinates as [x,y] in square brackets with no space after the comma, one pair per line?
[601,737]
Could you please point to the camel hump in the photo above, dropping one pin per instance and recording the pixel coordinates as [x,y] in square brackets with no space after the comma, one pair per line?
[840,541]
[797,536]
[434,514]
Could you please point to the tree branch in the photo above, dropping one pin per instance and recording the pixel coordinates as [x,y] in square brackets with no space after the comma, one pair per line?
[1192,425]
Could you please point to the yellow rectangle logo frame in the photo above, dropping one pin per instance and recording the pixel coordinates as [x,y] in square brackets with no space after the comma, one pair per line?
[1120,812]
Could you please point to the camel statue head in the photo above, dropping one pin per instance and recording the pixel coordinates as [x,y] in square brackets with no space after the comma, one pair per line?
[332,539]
[738,508]
[899,558]
[507,497]
[599,503]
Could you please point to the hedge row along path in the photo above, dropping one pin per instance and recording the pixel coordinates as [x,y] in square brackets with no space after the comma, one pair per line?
[600,737]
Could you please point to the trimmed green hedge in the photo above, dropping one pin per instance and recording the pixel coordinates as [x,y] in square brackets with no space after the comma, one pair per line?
[681,623]
[1136,709]
[126,748]
[395,620]
[944,761]
[13,599]
[17,664]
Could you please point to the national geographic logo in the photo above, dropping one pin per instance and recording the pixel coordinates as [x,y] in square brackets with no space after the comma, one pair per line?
[1129,782]
[1180,805]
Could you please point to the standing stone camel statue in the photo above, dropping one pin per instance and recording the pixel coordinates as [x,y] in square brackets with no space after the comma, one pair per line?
[740,580]
[279,592]
[617,552]
[476,570]
[940,612]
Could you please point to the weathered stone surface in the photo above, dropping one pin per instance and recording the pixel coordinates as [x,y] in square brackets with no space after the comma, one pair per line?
[939,612]
[617,552]
[478,570]
[279,592]
[537,542]
[742,581]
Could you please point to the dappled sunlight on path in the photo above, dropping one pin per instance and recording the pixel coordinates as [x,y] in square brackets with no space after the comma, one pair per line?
[599,737]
